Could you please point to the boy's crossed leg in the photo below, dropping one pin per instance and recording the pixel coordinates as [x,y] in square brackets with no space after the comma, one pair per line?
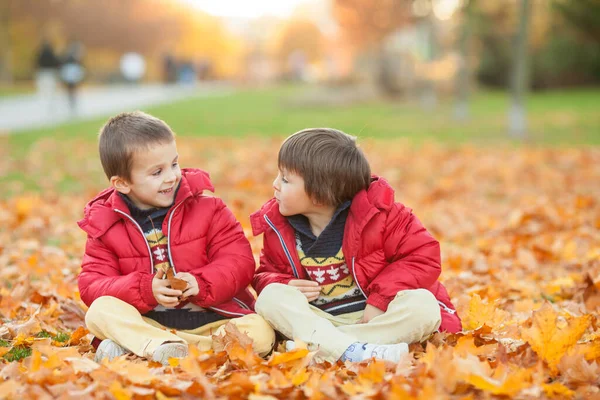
[411,317]
[111,318]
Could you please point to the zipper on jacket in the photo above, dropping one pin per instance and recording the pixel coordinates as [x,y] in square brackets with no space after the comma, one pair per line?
[356,280]
[241,303]
[144,237]
[226,312]
[283,245]
[169,237]
[445,307]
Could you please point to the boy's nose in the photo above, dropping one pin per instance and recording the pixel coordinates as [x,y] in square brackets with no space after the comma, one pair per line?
[171,177]
[276,184]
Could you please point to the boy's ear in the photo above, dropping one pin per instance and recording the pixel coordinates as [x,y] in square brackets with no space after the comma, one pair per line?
[120,184]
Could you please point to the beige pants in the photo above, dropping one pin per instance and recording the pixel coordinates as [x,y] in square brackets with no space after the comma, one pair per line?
[111,318]
[412,316]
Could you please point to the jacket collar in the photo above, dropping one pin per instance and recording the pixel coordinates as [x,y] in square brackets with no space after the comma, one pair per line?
[102,212]
[365,204]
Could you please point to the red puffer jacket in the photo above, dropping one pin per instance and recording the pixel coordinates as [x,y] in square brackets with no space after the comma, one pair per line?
[388,248]
[204,239]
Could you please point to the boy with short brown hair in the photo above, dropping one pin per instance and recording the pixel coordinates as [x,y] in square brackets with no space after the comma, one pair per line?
[345,268]
[155,221]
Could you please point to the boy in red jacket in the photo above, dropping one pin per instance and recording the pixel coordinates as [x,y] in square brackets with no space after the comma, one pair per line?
[344,268]
[155,220]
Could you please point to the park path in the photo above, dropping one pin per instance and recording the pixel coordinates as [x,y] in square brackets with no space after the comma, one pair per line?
[23,112]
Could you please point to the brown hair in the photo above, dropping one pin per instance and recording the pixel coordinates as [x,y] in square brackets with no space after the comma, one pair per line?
[126,133]
[333,167]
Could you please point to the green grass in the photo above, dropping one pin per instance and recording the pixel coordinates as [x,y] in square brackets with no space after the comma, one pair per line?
[13,90]
[555,118]
[62,337]
[17,353]
[59,337]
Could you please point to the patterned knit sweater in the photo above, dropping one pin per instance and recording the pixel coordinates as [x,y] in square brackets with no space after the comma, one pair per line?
[186,315]
[323,260]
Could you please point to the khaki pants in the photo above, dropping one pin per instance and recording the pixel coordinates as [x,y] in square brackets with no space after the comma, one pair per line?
[111,318]
[412,316]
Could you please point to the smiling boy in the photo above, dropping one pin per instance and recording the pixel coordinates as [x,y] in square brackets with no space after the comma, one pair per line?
[153,220]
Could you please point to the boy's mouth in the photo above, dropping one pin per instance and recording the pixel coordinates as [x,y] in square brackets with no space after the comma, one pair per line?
[166,191]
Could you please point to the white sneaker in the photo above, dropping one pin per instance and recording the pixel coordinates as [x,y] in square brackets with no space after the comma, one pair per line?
[388,352]
[169,350]
[109,349]
[290,345]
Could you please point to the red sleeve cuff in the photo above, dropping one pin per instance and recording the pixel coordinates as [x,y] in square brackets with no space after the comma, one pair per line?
[146,291]
[378,301]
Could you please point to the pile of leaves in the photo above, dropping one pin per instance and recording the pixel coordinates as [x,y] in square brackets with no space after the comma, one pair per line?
[520,234]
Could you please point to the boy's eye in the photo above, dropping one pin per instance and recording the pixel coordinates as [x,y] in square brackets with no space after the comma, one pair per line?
[175,164]
[157,173]
[284,180]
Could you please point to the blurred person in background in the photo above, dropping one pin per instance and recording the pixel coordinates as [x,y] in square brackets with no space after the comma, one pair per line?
[72,72]
[47,64]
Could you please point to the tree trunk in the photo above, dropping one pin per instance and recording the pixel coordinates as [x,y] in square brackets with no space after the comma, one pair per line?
[463,78]
[5,49]
[517,117]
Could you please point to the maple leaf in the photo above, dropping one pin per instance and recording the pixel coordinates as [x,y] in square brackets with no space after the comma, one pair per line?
[574,369]
[77,336]
[550,338]
[228,334]
[591,294]
[480,313]
[504,381]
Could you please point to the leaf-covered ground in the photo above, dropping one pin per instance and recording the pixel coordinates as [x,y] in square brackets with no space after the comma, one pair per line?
[520,233]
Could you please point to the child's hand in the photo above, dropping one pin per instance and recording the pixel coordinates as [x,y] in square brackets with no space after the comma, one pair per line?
[192,288]
[370,313]
[165,296]
[310,289]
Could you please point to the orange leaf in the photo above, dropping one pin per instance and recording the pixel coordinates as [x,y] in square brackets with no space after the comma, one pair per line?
[283,358]
[481,312]
[557,389]
[120,393]
[77,335]
[550,338]
[503,381]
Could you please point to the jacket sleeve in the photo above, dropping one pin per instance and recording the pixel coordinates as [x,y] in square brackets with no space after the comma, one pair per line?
[269,272]
[413,256]
[230,261]
[101,276]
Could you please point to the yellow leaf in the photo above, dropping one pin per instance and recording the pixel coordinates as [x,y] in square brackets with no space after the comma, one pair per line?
[36,361]
[282,358]
[503,381]
[300,377]
[550,340]
[590,350]
[22,340]
[557,388]
[119,391]
[174,362]
[481,312]
[373,373]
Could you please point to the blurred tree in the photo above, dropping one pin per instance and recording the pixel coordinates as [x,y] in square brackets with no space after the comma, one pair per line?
[563,40]
[367,23]
[203,38]
[300,38]
[107,29]
[463,76]
[520,74]
[5,42]
[583,16]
